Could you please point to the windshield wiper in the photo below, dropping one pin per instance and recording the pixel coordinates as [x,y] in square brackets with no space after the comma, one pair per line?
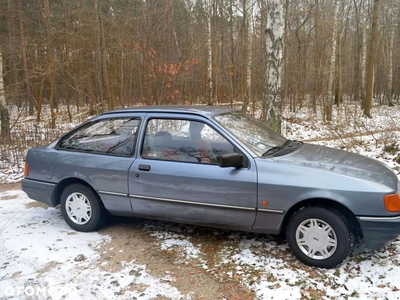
[276,148]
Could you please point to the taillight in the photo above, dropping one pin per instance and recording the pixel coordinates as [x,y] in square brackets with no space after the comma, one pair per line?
[26,170]
[392,203]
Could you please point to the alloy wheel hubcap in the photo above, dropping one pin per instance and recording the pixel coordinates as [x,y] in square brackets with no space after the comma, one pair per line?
[78,208]
[316,239]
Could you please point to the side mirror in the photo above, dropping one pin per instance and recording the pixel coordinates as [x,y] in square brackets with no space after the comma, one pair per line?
[231,160]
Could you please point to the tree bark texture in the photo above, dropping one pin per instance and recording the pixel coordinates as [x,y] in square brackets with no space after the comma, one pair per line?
[4,115]
[248,39]
[274,47]
[332,64]
[28,90]
[210,87]
[371,60]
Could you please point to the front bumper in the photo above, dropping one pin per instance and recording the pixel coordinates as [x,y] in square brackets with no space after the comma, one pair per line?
[379,231]
[39,190]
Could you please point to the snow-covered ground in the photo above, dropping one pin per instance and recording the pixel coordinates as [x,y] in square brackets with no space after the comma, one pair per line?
[41,256]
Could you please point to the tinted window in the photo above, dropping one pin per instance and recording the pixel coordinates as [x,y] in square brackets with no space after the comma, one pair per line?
[183,140]
[110,136]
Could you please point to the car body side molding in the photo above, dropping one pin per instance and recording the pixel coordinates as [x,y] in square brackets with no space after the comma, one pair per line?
[139,197]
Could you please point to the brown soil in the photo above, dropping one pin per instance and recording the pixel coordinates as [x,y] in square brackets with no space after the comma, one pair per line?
[9,186]
[129,235]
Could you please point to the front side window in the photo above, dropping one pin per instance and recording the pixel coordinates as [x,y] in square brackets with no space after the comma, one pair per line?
[111,136]
[183,140]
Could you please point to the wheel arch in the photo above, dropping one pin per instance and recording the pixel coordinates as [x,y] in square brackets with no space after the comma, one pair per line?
[323,202]
[66,182]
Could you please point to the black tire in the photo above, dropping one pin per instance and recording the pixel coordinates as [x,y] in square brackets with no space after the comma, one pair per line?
[319,237]
[81,208]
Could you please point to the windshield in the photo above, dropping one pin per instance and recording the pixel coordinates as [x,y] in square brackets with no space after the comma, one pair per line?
[255,135]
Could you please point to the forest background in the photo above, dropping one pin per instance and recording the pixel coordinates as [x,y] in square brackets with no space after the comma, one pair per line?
[252,54]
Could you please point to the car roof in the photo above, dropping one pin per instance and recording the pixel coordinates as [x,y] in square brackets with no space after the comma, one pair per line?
[197,109]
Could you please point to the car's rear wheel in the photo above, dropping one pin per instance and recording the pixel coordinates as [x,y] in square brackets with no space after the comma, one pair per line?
[81,208]
[319,237]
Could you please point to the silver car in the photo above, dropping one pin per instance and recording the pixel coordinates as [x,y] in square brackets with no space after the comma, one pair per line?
[216,167]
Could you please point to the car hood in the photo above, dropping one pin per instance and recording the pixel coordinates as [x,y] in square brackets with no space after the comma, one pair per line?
[341,162]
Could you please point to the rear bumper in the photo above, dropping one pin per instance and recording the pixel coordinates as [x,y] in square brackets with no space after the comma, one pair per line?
[379,231]
[39,190]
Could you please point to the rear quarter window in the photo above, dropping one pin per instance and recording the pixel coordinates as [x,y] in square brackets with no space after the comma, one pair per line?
[115,136]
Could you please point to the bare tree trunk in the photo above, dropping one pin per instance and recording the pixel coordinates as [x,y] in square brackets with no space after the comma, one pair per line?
[68,46]
[274,44]
[338,74]
[92,95]
[13,89]
[232,67]
[4,115]
[210,88]
[28,90]
[98,61]
[49,62]
[363,61]
[247,21]
[371,60]
[391,40]
[284,91]
[332,65]
[109,98]
[359,85]
[216,50]
[318,55]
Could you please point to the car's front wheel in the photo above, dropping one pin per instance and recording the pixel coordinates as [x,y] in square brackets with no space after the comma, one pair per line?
[319,237]
[81,208]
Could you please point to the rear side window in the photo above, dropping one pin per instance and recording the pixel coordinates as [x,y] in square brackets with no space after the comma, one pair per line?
[110,136]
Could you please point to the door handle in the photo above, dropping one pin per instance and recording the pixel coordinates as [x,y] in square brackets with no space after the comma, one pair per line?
[144,167]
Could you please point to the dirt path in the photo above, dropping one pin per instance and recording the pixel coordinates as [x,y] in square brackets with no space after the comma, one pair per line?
[129,235]
[9,186]
[132,242]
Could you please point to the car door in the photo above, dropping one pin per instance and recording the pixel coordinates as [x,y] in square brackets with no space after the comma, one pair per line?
[172,178]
